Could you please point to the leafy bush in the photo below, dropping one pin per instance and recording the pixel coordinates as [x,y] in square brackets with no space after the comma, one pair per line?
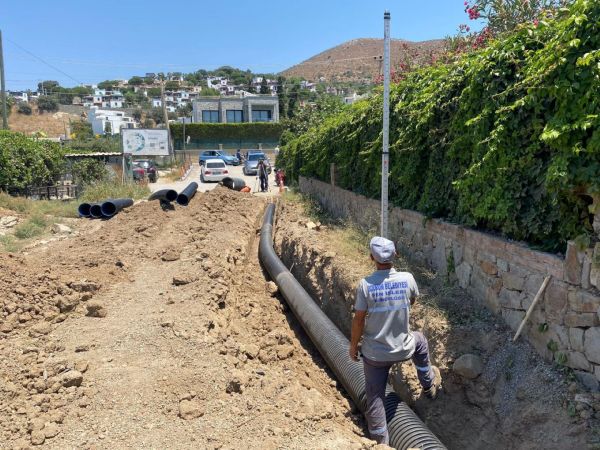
[28,162]
[24,108]
[503,139]
[30,228]
[46,103]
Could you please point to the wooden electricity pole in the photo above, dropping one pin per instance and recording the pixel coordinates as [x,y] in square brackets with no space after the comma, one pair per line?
[3,88]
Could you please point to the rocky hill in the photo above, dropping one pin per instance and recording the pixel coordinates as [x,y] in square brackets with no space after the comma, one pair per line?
[359,59]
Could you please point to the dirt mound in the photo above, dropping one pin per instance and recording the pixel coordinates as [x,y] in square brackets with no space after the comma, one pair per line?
[157,329]
[517,402]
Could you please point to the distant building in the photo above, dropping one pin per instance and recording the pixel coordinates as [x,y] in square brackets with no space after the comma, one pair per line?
[19,96]
[258,108]
[99,118]
[353,98]
[104,99]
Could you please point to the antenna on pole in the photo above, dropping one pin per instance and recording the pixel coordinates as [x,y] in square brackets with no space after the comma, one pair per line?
[385,155]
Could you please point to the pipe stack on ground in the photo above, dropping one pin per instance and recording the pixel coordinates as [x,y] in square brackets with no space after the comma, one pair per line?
[187,194]
[406,430]
[105,209]
[164,195]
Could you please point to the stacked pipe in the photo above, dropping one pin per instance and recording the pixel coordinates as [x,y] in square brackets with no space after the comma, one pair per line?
[405,429]
[105,209]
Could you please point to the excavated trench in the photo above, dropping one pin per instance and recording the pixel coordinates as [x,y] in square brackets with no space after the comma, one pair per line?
[518,402]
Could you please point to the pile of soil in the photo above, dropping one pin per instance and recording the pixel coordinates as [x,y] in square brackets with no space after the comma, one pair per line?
[158,329]
[517,401]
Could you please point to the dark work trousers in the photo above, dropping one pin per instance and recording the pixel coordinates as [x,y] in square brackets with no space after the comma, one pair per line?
[264,183]
[376,375]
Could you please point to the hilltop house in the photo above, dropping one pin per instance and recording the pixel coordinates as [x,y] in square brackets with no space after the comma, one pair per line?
[104,99]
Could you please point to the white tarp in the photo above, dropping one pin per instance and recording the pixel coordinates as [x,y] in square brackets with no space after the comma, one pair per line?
[139,142]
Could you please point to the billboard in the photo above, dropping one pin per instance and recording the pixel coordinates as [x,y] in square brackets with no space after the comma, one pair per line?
[143,142]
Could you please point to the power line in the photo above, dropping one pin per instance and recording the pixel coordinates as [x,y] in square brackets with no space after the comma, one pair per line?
[44,62]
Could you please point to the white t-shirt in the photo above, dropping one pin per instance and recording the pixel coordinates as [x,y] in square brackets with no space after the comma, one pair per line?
[385,295]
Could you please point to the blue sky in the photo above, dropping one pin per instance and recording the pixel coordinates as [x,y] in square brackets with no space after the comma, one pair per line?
[93,41]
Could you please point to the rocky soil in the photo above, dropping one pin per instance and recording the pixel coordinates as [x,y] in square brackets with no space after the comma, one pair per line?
[497,394]
[158,329]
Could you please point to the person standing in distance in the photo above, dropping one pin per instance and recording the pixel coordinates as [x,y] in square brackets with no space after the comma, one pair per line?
[381,318]
[263,175]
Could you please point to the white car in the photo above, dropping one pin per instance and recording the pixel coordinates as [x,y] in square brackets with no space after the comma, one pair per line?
[213,170]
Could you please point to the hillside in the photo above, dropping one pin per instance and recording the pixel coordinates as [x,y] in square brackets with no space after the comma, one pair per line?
[51,124]
[356,60]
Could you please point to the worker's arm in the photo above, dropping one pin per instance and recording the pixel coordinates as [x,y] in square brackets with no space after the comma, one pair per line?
[358,326]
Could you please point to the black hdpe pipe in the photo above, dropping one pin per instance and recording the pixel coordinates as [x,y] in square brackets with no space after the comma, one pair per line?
[234,183]
[111,207]
[186,195]
[406,430]
[96,211]
[164,195]
[84,209]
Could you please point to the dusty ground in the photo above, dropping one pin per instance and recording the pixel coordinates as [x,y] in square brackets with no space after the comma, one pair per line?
[52,125]
[157,329]
[518,402]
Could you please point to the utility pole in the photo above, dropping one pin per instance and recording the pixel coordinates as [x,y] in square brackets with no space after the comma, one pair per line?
[385,155]
[166,117]
[3,90]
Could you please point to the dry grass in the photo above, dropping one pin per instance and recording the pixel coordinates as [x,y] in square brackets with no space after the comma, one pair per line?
[51,124]
[109,189]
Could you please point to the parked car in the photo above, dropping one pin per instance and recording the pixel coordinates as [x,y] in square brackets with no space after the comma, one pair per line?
[213,170]
[251,163]
[139,174]
[218,154]
[149,167]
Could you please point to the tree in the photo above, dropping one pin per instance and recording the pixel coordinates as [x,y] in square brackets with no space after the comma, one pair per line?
[47,85]
[81,130]
[107,128]
[109,85]
[47,103]
[283,98]
[211,92]
[172,85]
[154,92]
[24,108]
[135,81]
[264,86]
[137,115]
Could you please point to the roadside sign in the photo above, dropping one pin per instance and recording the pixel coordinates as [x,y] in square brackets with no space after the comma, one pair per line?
[145,142]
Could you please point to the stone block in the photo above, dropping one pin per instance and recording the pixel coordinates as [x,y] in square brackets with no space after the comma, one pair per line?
[597,372]
[588,380]
[586,272]
[463,274]
[457,253]
[533,283]
[583,301]
[510,299]
[527,301]
[513,318]
[513,281]
[595,269]
[576,339]
[469,255]
[502,265]
[488,267]
[479,283]
[577,360]
[438,257]
[560,335]
[575,319]
[573,264]
[555,301]
[591,344]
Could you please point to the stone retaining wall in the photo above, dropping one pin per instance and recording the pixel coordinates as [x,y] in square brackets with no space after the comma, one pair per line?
[503,275]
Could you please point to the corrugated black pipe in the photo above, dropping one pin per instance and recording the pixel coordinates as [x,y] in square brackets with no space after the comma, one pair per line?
[234,183]
[114,205]
[96,211]
[164,195]
[405,428]
[186,195]
[84,209]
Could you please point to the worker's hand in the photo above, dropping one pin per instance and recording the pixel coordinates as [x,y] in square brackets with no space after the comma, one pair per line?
[353,353]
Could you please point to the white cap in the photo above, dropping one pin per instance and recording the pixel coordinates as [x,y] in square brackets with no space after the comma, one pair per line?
[382,249]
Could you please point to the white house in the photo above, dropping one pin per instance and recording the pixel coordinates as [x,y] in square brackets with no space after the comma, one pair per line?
[100,118]
[20,96]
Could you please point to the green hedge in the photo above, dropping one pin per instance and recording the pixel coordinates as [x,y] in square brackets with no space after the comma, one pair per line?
[26,161]
[504,139]
[228,131]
